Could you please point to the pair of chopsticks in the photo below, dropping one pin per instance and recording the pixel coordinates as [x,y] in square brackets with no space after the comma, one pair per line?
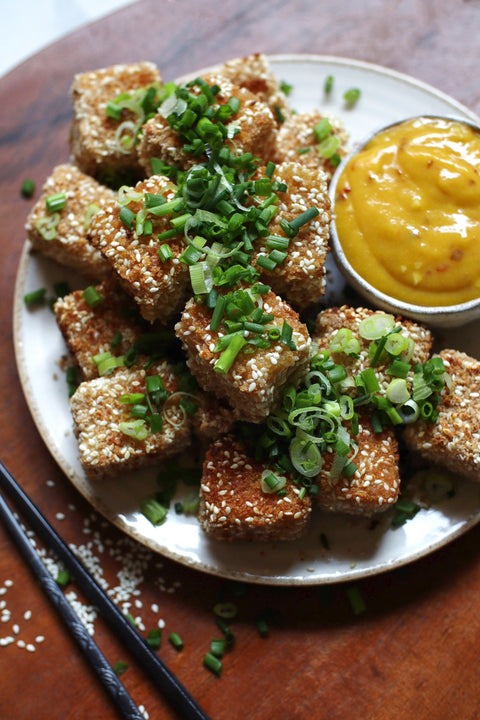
[169,686]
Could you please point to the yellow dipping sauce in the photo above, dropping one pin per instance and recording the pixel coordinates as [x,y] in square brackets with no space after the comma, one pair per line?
[407,210]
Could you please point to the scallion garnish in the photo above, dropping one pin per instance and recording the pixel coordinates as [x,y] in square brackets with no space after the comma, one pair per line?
[92,297]
[154,511]
[55,203]
[27,188]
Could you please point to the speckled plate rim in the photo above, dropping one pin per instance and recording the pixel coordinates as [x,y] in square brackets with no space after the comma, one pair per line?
[298,569]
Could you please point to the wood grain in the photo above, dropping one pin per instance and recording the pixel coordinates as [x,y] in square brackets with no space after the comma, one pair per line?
[413,653]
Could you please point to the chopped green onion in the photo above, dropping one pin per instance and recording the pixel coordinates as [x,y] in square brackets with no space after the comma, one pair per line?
[270,482]
[154,511]
[47,226]
[120,667]
[218,646]
[136,429]
[154,638]
[34,298]
[176,641]
[329,146]
[397,391]
[322,129]
[127,217]
[63,578]
[376,326]
[27,188]
[356,600]
[399,368]
[165,253]
[351,96]
[92,297]
[328,85]
[212,663]
[225,610]
[91,210]
[228,357]
[56,202]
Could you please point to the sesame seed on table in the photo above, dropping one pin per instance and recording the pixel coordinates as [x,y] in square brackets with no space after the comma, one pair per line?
[412,652]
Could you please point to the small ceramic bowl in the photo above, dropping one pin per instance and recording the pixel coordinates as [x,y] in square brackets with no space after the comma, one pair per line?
[440,316]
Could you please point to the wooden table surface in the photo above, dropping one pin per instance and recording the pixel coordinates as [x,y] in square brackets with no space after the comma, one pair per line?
[413,652]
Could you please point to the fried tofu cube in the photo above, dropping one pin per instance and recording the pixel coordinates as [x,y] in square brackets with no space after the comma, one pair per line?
[104,446]
[69,246]
[375,485]
[296,141]
[89,331]
[254,73]
[212,419]
[93,138]
[331,320]
[233,506]
[255,382]
[454,439]
[159,288]
[300,279]
[254,120]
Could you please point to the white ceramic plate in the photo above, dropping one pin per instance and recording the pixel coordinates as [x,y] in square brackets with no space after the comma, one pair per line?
[354,550]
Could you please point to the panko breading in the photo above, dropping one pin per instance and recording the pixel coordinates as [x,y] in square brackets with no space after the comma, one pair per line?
[233,505]
[254,120]
[254,73]
[70,247]
[375,485]
[93,142]
[301,277]
[296,141]
[159,288]
[89,331]
[454,439]
[97,413]
[255,382]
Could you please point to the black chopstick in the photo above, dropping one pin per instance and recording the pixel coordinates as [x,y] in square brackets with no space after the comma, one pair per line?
[101,666]
[170,687]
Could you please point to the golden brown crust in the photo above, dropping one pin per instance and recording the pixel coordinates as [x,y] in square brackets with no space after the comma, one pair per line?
[329,321]
[70,247]
[301,278]
[254,120]
[454,439]
[92,139]
[89,331]
[255,382]
[296,134]
[159,288]
[254,73]
[97,413]
[233,506]
[375,486]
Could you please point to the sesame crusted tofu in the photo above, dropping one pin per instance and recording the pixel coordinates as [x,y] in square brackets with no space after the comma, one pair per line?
[98,413]
[89,331]
[296,141]
[68,245]
[93,136]
[233,505]
[454,439]
[255,382]
[301,277]
[254,73]
[331,320]
[212,419]
[254,120]
[159,288]
[375,485]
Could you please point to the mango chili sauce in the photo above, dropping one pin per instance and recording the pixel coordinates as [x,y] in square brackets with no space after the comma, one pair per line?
[407,210]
